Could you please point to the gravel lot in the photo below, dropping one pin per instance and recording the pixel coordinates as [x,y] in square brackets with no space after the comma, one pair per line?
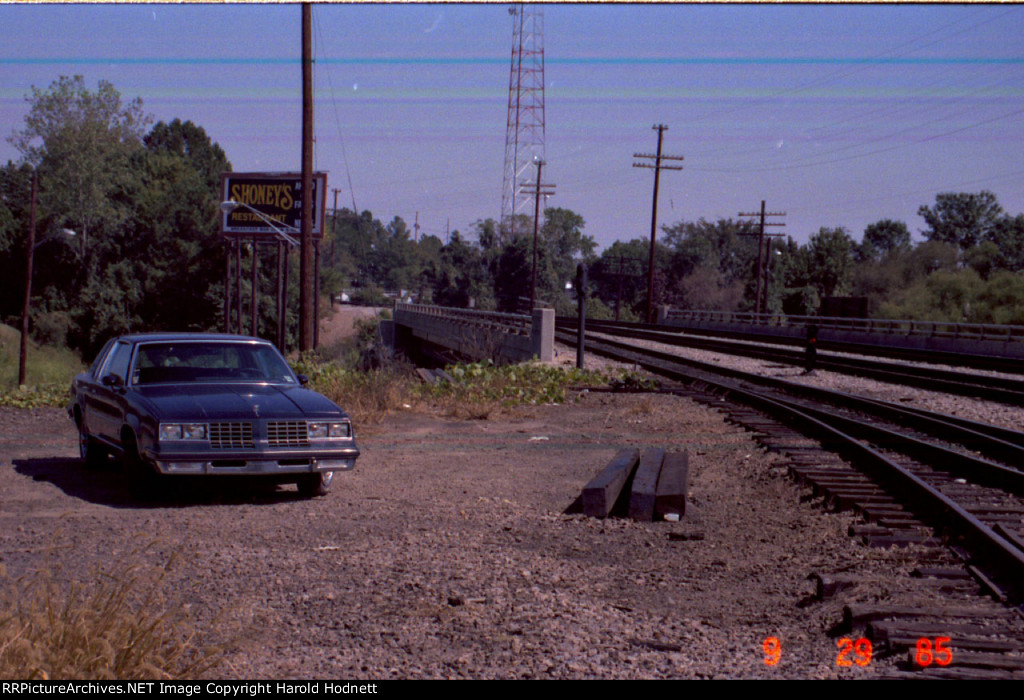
[447,553]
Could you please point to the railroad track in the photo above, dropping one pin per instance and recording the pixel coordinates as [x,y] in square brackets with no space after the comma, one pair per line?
[718,340]
[1002,389]
[949,486]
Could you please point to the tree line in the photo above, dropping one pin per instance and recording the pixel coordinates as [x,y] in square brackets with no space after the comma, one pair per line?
[127,240]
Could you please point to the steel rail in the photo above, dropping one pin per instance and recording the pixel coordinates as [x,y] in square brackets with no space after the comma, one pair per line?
[1004,390]
[932,504]
[1009,365]
[998,443]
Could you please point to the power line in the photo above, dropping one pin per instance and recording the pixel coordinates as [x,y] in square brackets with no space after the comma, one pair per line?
[337,122]
[831,161]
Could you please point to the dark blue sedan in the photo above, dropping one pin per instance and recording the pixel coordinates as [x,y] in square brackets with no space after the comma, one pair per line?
[186,403]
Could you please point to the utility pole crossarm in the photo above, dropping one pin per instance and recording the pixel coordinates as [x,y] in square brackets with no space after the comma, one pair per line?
[653,155]
[660,167]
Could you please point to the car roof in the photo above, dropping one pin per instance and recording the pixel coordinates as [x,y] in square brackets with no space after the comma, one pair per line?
[180,337]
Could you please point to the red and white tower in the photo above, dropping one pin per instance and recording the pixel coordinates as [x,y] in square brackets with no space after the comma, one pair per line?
[524,133]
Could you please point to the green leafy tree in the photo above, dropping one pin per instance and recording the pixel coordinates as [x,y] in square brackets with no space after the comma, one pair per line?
[884,237]
[961,219]
[81,142]
[174,242]
[568,245]
[463,277]
[1008,238]
[619,275]
[830,261]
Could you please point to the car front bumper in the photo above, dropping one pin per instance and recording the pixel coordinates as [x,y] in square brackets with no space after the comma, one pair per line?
[254,462]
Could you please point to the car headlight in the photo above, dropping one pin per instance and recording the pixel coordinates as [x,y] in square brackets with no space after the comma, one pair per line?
[182,431]
[337,429]
[170,431]
[340,430]
[194,431]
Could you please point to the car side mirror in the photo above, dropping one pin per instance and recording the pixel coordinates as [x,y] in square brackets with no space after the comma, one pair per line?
[303,379]
[113,381]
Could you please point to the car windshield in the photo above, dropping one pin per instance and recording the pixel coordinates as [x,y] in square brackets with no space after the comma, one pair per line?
[210,361]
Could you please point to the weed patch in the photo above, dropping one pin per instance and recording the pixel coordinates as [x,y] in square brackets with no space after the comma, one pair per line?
[122,626]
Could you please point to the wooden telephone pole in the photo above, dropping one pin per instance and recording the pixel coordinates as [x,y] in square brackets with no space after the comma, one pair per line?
[658,166]
[540,189]
[759,302]
[307,331]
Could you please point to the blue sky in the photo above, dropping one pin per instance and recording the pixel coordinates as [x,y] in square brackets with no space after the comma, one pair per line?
[837,115]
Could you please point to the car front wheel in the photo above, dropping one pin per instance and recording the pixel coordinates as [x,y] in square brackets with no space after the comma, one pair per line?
[143,481]
[312,485]
[91,453]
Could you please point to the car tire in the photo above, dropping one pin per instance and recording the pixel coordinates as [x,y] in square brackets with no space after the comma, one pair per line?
[142,480]
[313,485]
[93,456]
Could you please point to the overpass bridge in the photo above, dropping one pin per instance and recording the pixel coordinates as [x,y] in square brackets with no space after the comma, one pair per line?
[477,335]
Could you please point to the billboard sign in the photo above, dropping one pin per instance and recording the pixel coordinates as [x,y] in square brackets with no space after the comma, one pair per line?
[277,196]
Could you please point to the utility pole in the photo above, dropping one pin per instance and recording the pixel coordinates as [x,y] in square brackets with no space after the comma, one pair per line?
[334,224]
[23,349]
[759,302]
[416,228]
[658,166]
[307,340]
[539,190]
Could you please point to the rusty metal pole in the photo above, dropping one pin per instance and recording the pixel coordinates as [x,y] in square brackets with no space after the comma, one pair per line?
[23,349]
[227,287]
[280,295]
[238,286]
[254,291]
[306,320]
[536,220]
[284,297]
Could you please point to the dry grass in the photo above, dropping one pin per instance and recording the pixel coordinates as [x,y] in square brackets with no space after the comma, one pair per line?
[366,396]
[122,626]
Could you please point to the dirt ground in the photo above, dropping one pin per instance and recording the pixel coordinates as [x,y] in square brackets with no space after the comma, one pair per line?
[338,325]
[448,551]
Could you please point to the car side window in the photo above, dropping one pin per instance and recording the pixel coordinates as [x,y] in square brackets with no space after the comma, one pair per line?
[118,362]
[94,370]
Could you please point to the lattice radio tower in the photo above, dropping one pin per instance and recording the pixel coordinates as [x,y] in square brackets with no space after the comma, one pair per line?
[524,133]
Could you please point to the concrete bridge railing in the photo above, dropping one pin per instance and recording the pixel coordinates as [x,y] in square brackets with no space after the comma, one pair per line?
[481,334]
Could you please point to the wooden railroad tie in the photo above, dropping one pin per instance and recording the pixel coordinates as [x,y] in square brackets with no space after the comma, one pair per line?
[657,484]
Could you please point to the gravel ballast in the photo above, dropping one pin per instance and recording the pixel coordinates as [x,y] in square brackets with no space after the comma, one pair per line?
[448,553]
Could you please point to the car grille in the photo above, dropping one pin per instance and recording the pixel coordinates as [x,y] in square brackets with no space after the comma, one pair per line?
[231,435]
[287,433]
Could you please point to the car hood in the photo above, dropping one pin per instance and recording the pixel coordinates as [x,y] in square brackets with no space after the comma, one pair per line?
[236,401]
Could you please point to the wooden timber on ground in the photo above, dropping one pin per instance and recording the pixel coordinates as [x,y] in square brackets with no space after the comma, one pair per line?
[657,484]
[645,485]
[601,492]
[671,495]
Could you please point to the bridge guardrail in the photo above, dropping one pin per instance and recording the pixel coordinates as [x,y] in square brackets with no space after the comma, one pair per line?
[500,335]
[520,324]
